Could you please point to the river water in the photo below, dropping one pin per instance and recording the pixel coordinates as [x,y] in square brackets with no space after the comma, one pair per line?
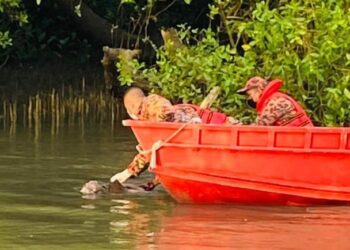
[41,208]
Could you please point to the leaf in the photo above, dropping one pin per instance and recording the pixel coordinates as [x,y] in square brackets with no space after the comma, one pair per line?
[348,59]
[188,1]
[128,2]
[246,47]
[64,41]
[77,10]
[213,11]
[347,93]
[38,2]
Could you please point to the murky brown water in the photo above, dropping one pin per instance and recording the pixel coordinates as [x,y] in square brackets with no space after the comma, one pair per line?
[41,208]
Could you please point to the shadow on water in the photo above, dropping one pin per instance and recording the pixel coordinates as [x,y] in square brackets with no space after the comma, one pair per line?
[41,208]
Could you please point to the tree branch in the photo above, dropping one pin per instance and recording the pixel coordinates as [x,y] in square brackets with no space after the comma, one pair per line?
[99,29]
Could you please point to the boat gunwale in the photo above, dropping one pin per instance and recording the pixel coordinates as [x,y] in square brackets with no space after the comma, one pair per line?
[270,133]
[135,123]
[262,148]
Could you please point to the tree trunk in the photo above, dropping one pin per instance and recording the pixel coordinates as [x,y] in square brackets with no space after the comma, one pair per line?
[97,28]
[103,33]
[111,56]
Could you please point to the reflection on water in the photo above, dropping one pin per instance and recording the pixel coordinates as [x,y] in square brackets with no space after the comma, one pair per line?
[40,204]
[229,227]
[41,208]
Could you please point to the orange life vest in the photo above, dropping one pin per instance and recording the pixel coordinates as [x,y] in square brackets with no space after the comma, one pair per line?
[271,91]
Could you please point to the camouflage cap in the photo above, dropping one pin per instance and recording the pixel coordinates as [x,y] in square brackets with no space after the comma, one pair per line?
[254,82]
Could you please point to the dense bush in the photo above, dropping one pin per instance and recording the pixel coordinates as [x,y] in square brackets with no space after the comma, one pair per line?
[190,72]
[306,43]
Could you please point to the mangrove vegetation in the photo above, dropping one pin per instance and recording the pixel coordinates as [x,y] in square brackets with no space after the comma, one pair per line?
[180,49]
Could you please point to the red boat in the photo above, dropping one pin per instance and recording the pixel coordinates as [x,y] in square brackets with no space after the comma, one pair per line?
[204,163]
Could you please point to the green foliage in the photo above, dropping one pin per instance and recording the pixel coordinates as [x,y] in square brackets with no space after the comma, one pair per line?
[306,43]
[48,34]
[128,69]
[187,74]
[191,72]
[5,39]
[11,11]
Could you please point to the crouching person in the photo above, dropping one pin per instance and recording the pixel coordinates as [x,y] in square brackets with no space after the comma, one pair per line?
[274,108]
[156,108]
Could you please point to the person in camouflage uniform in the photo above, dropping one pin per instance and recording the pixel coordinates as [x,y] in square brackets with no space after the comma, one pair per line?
[153,108]
[274,108]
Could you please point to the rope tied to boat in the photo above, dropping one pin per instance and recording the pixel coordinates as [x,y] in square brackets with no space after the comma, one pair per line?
[157,145]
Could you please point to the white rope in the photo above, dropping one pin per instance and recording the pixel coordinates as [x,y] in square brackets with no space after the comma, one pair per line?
[157,145]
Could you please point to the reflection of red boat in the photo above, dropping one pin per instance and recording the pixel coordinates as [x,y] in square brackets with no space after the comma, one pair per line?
[232,227]
[250,164]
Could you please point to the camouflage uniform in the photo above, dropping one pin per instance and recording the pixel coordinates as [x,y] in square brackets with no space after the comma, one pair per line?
[277,109]
[156,108]
[274,107]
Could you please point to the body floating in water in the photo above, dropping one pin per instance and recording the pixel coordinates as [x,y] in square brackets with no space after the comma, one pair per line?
[93,187]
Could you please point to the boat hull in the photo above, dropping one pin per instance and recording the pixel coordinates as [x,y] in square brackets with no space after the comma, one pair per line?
[250,165]
[200,192]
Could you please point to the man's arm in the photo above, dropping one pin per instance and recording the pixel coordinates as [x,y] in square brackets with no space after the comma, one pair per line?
[274,110]
[156,109]
[136,167]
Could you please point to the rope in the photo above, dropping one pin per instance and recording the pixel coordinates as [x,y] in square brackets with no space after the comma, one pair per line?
[157,145]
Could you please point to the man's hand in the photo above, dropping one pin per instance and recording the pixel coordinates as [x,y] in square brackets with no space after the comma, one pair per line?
[234,121]
[121,177]
[196,120]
